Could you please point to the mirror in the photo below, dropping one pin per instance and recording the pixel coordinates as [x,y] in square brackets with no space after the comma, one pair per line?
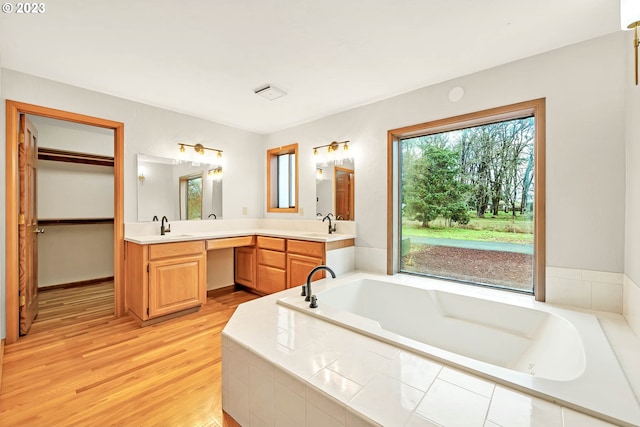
[335,190]
[179,190]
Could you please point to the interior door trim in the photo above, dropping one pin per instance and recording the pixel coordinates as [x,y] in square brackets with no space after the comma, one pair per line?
[13,110]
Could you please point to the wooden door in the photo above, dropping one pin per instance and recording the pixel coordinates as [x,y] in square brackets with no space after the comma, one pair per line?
[27,224]
[344,193]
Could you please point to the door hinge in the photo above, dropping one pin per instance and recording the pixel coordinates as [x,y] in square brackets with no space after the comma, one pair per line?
[21,138]
[21,219]
[23,301]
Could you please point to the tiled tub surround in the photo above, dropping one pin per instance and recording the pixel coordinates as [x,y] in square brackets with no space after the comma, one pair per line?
[595,290]
[284,367]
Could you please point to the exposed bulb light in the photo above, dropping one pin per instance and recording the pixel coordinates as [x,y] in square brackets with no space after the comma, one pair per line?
[333,153]
[319,174]
[200,149]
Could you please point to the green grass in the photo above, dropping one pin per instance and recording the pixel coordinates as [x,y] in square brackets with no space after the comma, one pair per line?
[504,228]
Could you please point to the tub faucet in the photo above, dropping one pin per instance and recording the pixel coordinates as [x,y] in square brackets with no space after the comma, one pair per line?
[311,297]
[164,229]
[331,229]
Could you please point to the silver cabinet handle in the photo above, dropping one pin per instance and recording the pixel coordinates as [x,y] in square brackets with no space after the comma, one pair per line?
[39,230]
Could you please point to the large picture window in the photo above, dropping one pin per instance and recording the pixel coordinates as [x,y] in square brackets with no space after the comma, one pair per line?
[468,190]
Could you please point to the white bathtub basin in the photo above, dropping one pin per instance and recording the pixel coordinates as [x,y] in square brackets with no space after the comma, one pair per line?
[554,353]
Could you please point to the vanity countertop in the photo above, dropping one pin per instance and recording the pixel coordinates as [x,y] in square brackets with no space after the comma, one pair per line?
[205,235]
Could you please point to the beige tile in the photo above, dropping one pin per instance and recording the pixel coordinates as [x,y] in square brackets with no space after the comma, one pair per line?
[573,418]
[387,401]
[413,370]
[335,385]
[467,381]
[452,406]
[511,408]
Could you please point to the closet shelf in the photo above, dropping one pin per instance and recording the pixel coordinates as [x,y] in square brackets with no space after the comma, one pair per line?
[73,157]
[74,221]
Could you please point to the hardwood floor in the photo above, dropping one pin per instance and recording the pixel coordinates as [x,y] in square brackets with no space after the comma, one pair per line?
[90,369]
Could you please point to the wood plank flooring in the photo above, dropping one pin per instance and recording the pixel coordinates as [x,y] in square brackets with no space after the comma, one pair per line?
[82,367]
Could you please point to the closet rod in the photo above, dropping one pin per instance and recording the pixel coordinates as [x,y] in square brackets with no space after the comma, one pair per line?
[74,221]
[73,157]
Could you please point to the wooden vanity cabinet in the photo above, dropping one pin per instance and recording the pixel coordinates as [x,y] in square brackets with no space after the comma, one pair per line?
[302,257]
[271,270]
[166,278]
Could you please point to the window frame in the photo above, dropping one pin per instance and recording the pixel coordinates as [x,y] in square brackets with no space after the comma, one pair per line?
[184,194]
[272,178]
[535,108]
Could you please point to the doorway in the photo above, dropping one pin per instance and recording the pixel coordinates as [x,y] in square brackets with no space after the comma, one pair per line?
[13,210]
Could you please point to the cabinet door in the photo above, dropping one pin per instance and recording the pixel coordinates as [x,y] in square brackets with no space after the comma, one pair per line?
[176,284]
[246,266]
[271,279]
[299,267]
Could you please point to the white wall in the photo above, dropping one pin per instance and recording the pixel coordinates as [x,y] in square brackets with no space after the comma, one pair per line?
[148,130]
[631,285]
[584,89]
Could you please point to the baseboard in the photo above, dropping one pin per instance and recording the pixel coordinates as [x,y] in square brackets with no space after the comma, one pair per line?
[228,421]
[76,284]
[163,318]
[222,291]
[1,360]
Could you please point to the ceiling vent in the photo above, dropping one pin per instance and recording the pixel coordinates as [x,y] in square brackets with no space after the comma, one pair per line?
[269,92]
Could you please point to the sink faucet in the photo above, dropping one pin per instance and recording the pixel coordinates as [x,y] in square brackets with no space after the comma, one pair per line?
[331,229]
[164,229]
[309,296]
[212,215]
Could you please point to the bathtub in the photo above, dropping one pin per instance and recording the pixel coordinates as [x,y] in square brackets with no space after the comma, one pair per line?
[553,353]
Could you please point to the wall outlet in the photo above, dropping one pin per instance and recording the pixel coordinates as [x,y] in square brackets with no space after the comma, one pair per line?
[245,210]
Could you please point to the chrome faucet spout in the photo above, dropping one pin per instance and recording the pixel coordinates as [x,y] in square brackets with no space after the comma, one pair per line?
[310,296]
[164,229]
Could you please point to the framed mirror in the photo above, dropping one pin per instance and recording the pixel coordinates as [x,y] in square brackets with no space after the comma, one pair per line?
[335,190]
[179,190]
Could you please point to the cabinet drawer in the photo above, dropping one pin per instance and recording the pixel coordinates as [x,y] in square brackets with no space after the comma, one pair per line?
[165,250]
[272,258]
[230,242]
[304,247]
[273,243]
[271,279]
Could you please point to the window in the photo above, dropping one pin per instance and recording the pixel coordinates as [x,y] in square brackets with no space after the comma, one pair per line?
[191,197]
[469,198]
[282,179]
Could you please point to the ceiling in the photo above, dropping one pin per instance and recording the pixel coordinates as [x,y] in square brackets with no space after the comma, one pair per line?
[205,57]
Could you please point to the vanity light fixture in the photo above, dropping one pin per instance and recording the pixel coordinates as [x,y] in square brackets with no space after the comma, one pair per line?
[199,148]
[334,153]
[319,174]
[630,20]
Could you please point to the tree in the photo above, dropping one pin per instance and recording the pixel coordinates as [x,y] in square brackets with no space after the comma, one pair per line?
[433,187]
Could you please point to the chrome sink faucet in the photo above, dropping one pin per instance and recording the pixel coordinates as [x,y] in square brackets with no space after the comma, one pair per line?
[331,230]
[164,229]
[306,289]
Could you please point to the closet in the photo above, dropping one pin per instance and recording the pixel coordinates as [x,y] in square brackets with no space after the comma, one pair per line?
[75,204]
